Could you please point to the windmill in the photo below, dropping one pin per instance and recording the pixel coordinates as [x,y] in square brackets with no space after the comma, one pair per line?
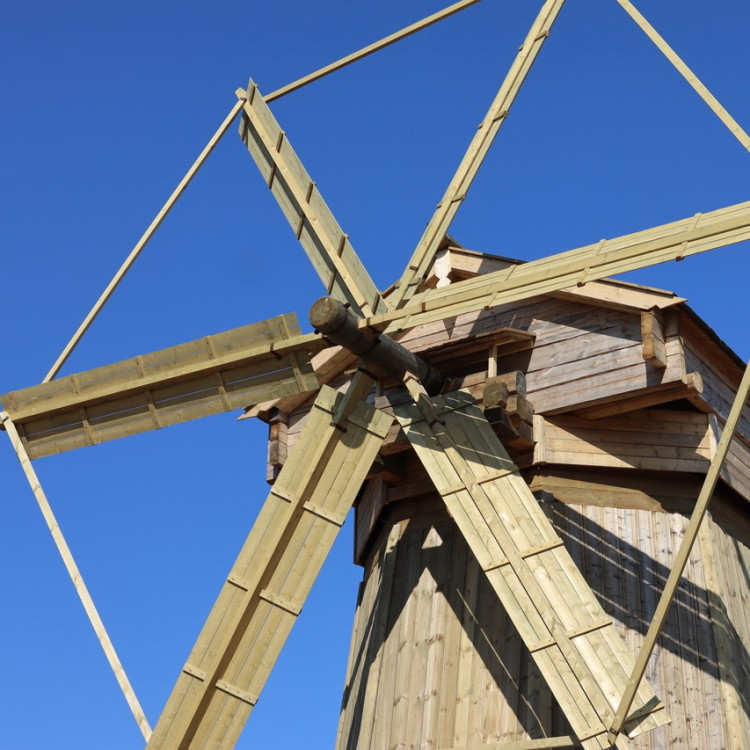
[51,419]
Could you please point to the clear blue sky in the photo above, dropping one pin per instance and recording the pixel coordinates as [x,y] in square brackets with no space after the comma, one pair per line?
[105,105]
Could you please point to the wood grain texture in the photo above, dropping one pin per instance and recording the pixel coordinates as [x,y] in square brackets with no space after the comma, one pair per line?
[271,579]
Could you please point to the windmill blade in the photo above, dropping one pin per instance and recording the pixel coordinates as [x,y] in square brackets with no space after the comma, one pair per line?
[210,375]
[325,243]
[673,241]
[270,580]
[572,640]
[480,145]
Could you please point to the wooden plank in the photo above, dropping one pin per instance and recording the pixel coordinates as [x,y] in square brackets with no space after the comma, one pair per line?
[660,244]
[728,666]
[208,376]
[557,615]
[417,268]
[652,333]
[271,578]
[696,518]
[325,243]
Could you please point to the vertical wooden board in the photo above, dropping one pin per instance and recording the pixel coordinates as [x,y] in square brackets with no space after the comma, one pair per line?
[468,599]
[406,640]
[466,461]
[434,672]
[452,647]
[732,661]
[356,726]
[394,622]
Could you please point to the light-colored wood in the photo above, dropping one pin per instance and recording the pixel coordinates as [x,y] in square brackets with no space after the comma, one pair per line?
[556,614]
[667,242]
[615,295]
[271,578]
[652,332]
[370,48]
[733,126]
[208,376]
[691,534]
[455,194]
[727,609]
[325,243]
[142,242]
[75,576]
[655,439]
[549,743]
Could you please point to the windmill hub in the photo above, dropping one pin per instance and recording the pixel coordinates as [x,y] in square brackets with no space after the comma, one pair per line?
[337,323]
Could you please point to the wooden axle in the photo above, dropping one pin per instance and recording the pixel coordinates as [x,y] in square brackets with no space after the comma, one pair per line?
[337,323]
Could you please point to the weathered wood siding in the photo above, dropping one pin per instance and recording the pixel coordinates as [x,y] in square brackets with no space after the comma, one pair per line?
[436,663]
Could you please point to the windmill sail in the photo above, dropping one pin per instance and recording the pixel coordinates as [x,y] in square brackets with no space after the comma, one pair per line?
[571,638]
[210,375]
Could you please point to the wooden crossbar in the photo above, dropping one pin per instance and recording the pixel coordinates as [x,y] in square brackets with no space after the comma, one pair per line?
[210,375]
[674,241]
[370,49]
[574,643]
[267,587]
[320,235]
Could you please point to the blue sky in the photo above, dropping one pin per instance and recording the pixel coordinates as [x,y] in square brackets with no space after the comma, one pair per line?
[105,106]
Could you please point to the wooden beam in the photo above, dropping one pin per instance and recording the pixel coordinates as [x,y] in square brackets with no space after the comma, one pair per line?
[269,583]
[339,325]
[733,126]
[673,241]
[548,743]
[208,376]
[678,566]
[325,243]
[142,242]
[652,335]
[374,47]
[557,615]
[480,145]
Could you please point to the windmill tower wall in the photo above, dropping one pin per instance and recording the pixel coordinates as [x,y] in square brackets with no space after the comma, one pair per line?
[629,391]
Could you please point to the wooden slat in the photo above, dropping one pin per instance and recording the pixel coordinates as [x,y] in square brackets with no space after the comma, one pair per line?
[271,579]
[573,642]
[480,145]
[325,243]
[208,376]
[660,244]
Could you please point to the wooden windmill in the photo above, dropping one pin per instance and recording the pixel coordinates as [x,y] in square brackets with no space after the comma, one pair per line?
[594,678]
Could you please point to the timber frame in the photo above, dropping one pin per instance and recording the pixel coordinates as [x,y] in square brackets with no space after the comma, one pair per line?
[478,460]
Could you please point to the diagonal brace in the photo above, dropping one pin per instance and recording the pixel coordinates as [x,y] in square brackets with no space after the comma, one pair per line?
[75,576]
[475,154]
[691,533]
